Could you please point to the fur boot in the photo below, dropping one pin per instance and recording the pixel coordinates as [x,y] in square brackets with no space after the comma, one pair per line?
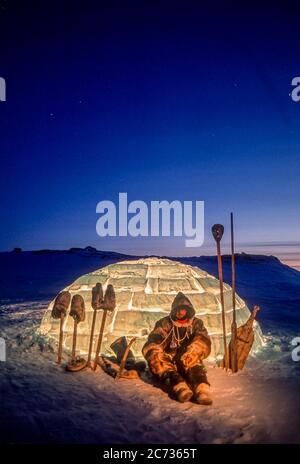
[202,394]
[178,387]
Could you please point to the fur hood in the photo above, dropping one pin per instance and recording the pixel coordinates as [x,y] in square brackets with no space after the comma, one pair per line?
[181,301]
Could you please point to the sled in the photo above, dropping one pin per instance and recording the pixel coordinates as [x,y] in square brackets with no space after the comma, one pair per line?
[244,340]
[113,369]
[126,367]
[119,347]
[124,358]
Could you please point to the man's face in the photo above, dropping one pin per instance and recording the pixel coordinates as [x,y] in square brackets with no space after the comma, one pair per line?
[181,313]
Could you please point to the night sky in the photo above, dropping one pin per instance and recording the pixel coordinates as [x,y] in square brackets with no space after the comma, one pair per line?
[163,100]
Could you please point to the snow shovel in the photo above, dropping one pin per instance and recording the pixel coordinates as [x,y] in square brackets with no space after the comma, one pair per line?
[59,311]
[109,304]
[97,303]
[78,314]
[245,339]
[218,231]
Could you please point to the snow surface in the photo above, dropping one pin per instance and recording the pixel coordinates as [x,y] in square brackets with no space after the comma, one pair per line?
[42,403]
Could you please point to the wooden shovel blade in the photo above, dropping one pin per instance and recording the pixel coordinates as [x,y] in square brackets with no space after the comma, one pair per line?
[61,304]
[97,296]
[77,308]
[109,298]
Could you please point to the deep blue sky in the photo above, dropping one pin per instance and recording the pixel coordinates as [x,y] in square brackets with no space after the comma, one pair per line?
[163,100]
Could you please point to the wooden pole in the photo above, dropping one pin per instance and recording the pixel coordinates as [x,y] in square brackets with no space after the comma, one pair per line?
[220,270]
[233,346]
[217,231]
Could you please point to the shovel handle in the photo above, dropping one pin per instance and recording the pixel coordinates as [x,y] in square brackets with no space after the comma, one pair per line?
[61,335]
[91,338]
[74,340]
[100,339]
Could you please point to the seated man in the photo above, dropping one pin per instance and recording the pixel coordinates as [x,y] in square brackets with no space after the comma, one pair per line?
[175,350]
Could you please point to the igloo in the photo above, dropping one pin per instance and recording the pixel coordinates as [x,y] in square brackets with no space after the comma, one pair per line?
[145,289]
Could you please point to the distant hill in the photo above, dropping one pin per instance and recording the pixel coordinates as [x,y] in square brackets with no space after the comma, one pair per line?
[32,275]
[263,280]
